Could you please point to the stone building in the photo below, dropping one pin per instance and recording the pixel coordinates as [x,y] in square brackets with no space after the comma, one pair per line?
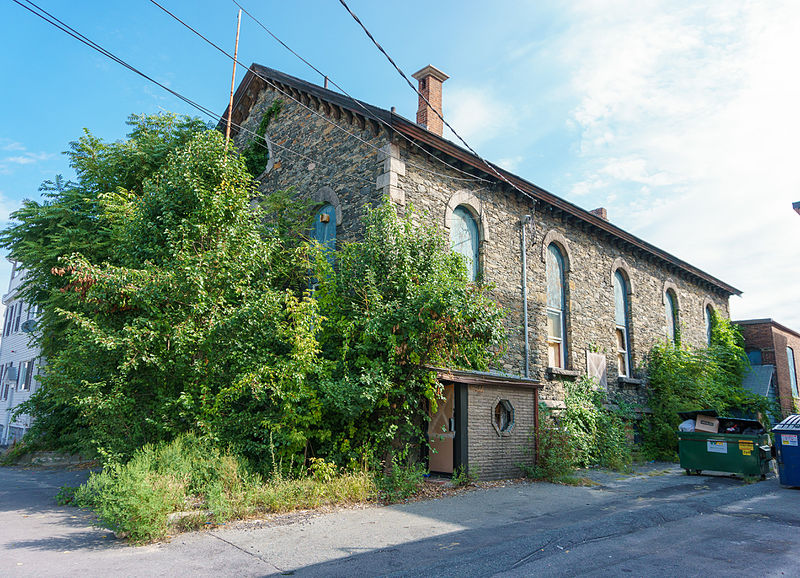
[597,298]
[769,344]
[20,360]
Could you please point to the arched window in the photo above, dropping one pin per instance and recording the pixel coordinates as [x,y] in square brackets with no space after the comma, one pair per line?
[465,239]
[671,311]
[556,309]
[709,314]
[622,324]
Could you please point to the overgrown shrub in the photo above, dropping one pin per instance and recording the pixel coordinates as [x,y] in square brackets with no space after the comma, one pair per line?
[403,481]
[554,460]
[686,379]
[598,434]
[172,303]
[588,432]
[191,474]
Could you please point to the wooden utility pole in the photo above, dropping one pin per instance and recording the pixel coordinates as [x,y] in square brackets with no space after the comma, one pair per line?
[233,80]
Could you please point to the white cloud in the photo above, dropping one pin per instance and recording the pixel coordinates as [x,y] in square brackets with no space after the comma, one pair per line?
[26,158]
[511,163]
[687,115]
[476,114]
[10,145]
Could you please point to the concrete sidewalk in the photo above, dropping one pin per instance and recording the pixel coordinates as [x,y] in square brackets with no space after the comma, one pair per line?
[518,529]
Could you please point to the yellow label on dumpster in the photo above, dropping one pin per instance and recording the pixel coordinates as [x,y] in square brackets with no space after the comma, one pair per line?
[746,447]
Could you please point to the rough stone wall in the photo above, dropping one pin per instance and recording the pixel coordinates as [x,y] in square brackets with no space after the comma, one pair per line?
[334,159]
[493,455]
[591,260]
[361,173]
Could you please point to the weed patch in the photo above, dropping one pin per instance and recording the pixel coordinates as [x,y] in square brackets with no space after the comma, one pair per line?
[188,475]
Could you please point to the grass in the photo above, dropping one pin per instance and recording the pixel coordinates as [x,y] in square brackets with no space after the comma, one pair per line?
[187,475]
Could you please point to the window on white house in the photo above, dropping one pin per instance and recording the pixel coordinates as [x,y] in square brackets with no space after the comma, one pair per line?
[465,239]
[671,311]
[27,374]
[622,324]
[792,371]
[556,309]
[9,320]
[18,318]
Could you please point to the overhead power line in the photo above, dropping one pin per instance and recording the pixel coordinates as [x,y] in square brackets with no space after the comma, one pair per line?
[52,20]
[288,95]
[447,124]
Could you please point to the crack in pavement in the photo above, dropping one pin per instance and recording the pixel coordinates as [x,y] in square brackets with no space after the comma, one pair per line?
[254,555]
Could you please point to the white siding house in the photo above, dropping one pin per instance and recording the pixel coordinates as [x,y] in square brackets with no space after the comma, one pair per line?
[20,360]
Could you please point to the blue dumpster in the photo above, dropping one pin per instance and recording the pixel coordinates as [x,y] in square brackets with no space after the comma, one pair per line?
[787,434]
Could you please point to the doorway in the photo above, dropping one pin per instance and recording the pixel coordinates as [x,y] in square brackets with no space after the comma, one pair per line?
[442,433]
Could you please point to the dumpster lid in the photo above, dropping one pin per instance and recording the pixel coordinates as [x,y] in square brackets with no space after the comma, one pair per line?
[790,423]
[684,415]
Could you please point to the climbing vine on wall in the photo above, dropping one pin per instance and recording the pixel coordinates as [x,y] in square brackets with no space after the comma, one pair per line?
[256,153]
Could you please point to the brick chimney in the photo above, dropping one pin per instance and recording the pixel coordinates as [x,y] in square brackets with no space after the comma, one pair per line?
[430,86]
[601,212]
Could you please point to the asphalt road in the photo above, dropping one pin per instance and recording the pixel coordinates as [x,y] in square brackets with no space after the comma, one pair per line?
[656,523]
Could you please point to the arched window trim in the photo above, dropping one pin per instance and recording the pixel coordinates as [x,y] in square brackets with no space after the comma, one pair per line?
[622,338]
[472,204]
[270,160]
[327,196]
[555,237]
[558,346]
[621,265]
[473,251]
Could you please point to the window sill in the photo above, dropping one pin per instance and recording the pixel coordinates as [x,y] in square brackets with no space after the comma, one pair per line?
[563,373]
[629,382]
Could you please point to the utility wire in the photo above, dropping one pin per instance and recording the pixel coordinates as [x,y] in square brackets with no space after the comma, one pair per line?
[50,19]
[311,110]
[447,124]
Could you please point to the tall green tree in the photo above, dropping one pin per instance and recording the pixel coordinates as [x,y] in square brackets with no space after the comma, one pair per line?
[174,303]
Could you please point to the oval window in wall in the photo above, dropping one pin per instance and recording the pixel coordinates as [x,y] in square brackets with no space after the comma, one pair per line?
[465,238]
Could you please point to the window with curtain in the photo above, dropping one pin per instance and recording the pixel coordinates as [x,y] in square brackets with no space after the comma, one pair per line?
[622,324]
[556,309]
[671,305]
[465,239]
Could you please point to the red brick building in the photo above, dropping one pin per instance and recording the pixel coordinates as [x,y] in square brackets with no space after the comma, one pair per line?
[770,343]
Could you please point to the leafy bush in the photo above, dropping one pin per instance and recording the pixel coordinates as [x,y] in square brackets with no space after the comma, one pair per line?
[403,481]
[173,304]
[554,459]
[586,433]
[598,435]
[686,379]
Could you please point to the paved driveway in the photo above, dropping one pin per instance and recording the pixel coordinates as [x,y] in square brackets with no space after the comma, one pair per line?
[656,523]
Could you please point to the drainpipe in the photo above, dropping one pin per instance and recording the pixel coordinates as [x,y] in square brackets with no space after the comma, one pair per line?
[525,221]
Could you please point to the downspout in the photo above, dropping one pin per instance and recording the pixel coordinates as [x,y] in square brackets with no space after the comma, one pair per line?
[525,221]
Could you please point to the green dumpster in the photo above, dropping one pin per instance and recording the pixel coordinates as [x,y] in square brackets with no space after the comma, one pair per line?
[746,452]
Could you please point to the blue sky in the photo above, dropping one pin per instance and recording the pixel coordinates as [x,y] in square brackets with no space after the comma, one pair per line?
[681,118]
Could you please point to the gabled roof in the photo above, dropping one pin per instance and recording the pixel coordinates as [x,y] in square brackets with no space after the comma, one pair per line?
[258,74]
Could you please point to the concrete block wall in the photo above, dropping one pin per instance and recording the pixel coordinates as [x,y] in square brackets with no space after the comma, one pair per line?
[494,455]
